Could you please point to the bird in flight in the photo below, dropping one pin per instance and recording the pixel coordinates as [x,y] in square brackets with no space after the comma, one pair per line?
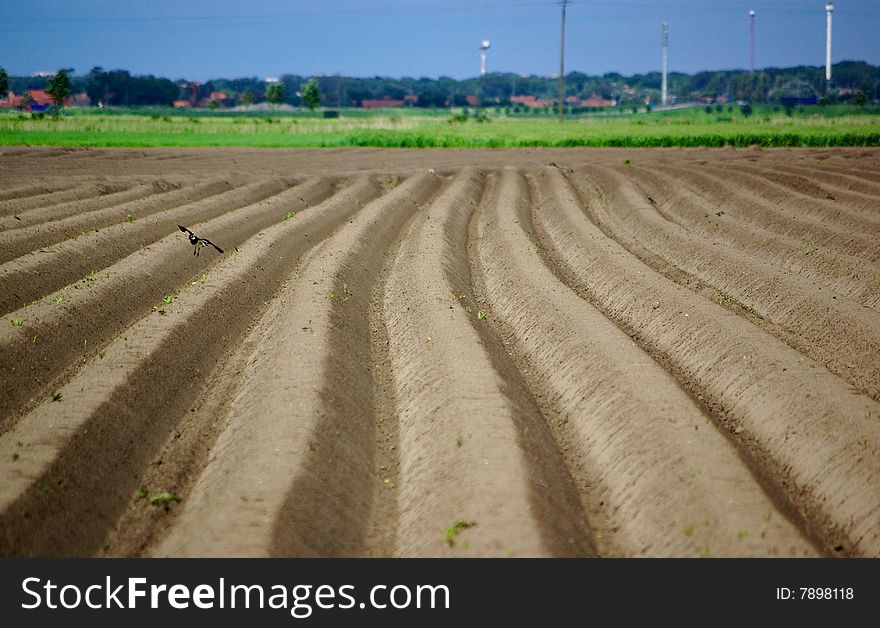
[198,242]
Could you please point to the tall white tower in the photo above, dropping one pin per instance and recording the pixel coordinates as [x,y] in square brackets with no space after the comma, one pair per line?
[829,8]
[752,40]
[664,29]
[484,47]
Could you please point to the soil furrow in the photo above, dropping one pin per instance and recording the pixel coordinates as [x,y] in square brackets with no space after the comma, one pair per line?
[655,476]
[15,243]
[87,190]
[846,275]
[815,441]
[91,311]
[833,178]
[748,206]
[474,451]
[842,335]
[30,190]
[454,353]
[810,203]
[861,204]
[41,272]
[81,459]
[50,214]
[297,457]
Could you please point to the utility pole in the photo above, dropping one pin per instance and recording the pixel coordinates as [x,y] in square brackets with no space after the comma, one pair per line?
[564,3]
[664,28]
[752,40]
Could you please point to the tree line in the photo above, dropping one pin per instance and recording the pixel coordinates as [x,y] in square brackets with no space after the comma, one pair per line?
[120,88]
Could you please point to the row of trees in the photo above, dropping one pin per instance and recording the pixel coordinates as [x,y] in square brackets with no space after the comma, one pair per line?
[119,87]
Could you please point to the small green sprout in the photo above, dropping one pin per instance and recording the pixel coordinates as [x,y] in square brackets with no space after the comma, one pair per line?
[481,315]
[168,300]
[164,498]
[130,218]
[289,215]
[56,397]
[58,299]
[17,322]
[453,531]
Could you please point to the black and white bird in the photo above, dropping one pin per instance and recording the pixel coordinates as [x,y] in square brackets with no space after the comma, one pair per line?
[198,242]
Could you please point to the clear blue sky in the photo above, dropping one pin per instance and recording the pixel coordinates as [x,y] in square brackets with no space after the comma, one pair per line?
[198,39]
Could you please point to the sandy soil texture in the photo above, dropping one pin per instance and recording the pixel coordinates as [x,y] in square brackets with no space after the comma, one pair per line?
[440,353]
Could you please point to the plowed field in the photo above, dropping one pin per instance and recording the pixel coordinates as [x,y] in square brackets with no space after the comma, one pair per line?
[440,353]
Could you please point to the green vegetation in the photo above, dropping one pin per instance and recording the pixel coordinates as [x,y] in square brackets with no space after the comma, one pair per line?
[159,499]
[17,322]
[768,126]
[59,89]
[163,499]
[311,95]
[275,93]
[288,215]
[453,531]
[116,88]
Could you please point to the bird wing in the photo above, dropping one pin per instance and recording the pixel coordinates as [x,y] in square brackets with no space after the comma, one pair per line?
[185,230]
[207,241]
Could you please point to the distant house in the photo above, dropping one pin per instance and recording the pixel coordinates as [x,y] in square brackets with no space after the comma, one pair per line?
[39,100]
[181,104]
[597,101]
[381,102]
[471,100]
[80,100]
[34,100]
[188,93]
[216,99]
[221,98]
[531,101]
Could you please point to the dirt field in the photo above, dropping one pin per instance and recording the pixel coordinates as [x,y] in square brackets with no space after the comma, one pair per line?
[440,353]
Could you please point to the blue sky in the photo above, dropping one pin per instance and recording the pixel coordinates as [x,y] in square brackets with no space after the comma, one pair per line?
[199,39]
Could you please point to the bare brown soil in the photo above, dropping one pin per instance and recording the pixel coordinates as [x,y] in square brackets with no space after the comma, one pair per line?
[440,353]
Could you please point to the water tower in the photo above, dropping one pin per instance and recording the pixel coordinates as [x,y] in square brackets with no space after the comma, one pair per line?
[484,48]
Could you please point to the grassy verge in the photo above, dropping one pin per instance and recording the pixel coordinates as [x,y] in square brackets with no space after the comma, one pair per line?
[405,129]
